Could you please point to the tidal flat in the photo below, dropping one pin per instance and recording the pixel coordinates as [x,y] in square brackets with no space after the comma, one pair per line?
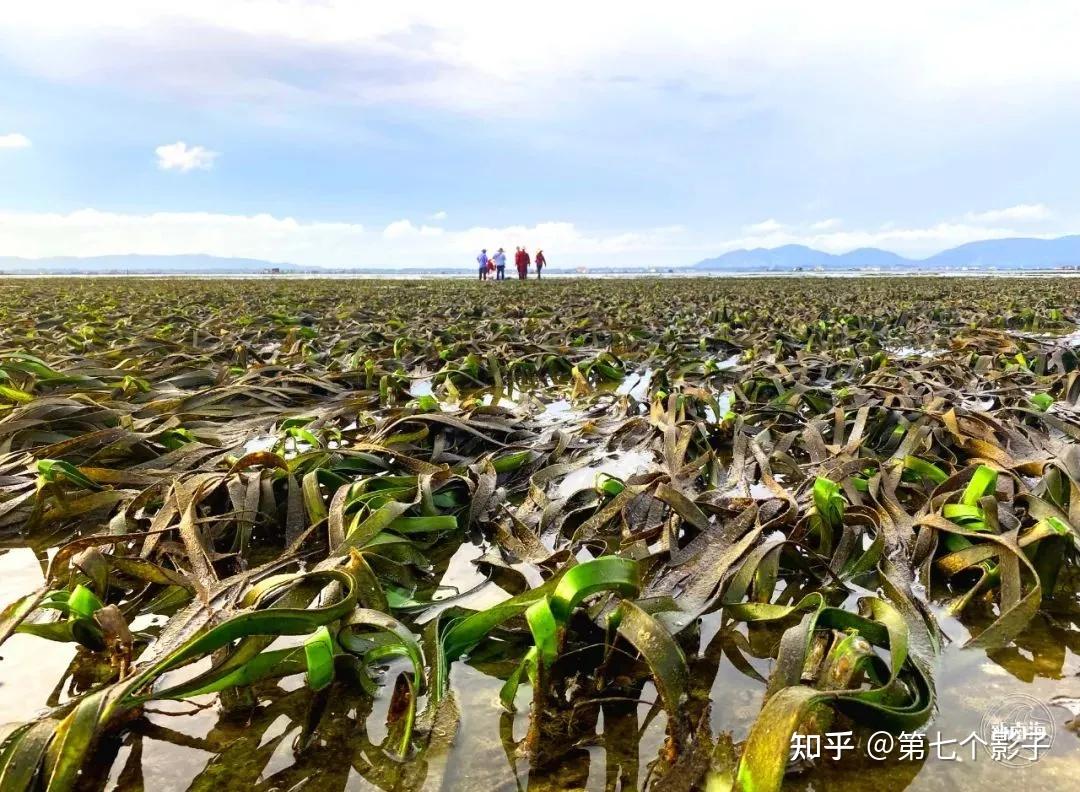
[562,534]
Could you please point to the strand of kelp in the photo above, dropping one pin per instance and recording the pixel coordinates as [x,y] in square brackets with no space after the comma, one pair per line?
[894,477]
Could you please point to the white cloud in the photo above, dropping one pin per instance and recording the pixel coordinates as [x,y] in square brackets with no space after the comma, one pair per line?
[398,228]
[764,227]
[404,228]
[439,215]
[182,157]
[439,54]
[1021,213]
[14,140]
[826,224]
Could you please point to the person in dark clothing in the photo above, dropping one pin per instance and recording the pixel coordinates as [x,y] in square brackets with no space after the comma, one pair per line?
[541,262]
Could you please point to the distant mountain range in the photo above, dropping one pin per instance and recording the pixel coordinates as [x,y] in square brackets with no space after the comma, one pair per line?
[1018,253]
[142,265]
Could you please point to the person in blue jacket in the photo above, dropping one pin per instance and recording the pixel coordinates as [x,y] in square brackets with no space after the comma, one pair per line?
[500,264]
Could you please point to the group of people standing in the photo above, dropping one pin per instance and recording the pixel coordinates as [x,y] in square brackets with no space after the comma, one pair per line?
[497,263]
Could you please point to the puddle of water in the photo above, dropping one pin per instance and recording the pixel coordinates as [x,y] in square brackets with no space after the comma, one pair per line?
[913,352]
[509,404]
[262,443]
[756,491]
[30,667]
[1072,339]
[636,385]
[164,762]
[971,684]
[478,762]
[295,448]
[723,401]
[560,411]
[461,576]
[621,465]
[555,409]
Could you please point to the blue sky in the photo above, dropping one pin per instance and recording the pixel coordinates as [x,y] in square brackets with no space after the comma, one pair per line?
[332,133]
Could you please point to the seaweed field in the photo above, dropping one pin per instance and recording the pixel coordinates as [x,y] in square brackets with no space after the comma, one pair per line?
[569,534]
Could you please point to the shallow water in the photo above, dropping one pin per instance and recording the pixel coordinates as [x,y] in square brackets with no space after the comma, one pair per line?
[914,352]
[618,464]
[29,667]
[636,384]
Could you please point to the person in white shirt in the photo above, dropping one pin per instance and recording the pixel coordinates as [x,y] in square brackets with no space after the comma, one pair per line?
[500,265]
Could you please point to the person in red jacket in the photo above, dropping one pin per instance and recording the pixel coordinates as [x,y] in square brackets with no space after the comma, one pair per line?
[519,262]
[541,262]
[523,268]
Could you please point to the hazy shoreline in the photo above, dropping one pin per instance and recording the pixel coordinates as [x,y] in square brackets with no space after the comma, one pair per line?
[411,276]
